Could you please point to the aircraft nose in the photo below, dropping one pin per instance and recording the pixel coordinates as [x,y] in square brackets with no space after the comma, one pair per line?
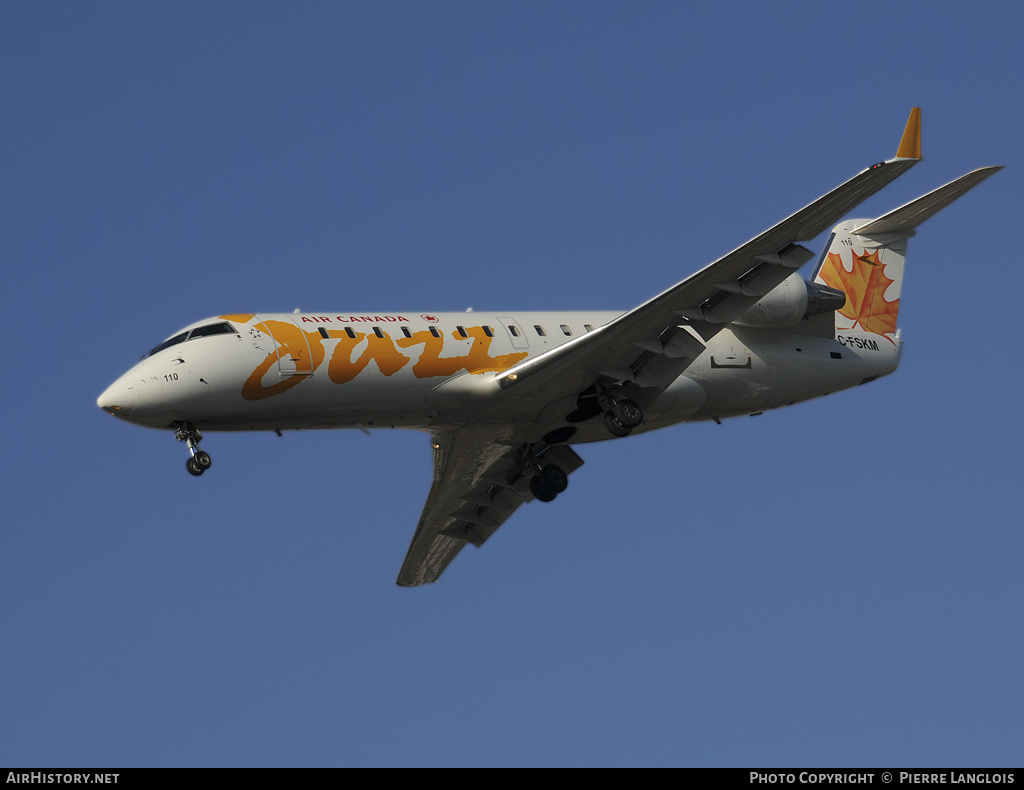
[117,399]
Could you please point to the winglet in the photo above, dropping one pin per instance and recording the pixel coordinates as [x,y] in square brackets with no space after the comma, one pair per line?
[910,145]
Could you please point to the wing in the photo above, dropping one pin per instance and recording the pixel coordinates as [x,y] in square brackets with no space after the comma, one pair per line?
[652,344]
[479,481]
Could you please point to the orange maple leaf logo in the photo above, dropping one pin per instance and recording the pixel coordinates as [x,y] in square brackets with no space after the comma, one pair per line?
[865,291]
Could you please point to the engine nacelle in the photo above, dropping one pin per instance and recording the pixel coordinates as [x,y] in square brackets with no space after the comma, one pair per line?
[792,301]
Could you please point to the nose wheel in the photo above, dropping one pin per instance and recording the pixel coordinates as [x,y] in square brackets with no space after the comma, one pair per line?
[200,460]
[198,463]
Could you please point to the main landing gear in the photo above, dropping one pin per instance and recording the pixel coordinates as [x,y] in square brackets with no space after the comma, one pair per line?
[622,417]
[549,482]
[544,464]
[200,460]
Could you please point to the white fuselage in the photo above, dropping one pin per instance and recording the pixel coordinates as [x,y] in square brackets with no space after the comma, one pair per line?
[343,370]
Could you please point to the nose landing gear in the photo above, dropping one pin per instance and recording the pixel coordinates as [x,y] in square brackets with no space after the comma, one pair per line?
[200,460]
[198,463]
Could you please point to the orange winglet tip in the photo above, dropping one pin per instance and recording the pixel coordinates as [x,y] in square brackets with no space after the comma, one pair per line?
[910,145]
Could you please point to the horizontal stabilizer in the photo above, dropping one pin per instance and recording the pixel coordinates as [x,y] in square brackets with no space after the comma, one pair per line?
[917,211]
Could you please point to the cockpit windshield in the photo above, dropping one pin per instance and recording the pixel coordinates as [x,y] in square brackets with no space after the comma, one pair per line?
[206,330]
[168,343]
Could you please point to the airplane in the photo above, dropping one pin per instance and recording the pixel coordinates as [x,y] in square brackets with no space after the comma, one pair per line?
[506,396]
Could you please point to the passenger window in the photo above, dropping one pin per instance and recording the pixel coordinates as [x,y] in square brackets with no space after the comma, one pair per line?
[377,331]
[512,328]
[350,332]
[589,327]
[434,332]
[462,331]
[406,332]
[323,333]
[540,330]
[488,331]
[566,330]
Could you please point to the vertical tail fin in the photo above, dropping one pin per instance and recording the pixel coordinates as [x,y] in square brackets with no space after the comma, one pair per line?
[864,258]
[869,270]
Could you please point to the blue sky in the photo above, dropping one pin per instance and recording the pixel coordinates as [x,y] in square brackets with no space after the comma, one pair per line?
[837,583]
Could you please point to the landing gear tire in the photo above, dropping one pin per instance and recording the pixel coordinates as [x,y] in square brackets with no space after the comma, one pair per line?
[540,490]
[616,428]
[200,460]
[627,413]
[554,479]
